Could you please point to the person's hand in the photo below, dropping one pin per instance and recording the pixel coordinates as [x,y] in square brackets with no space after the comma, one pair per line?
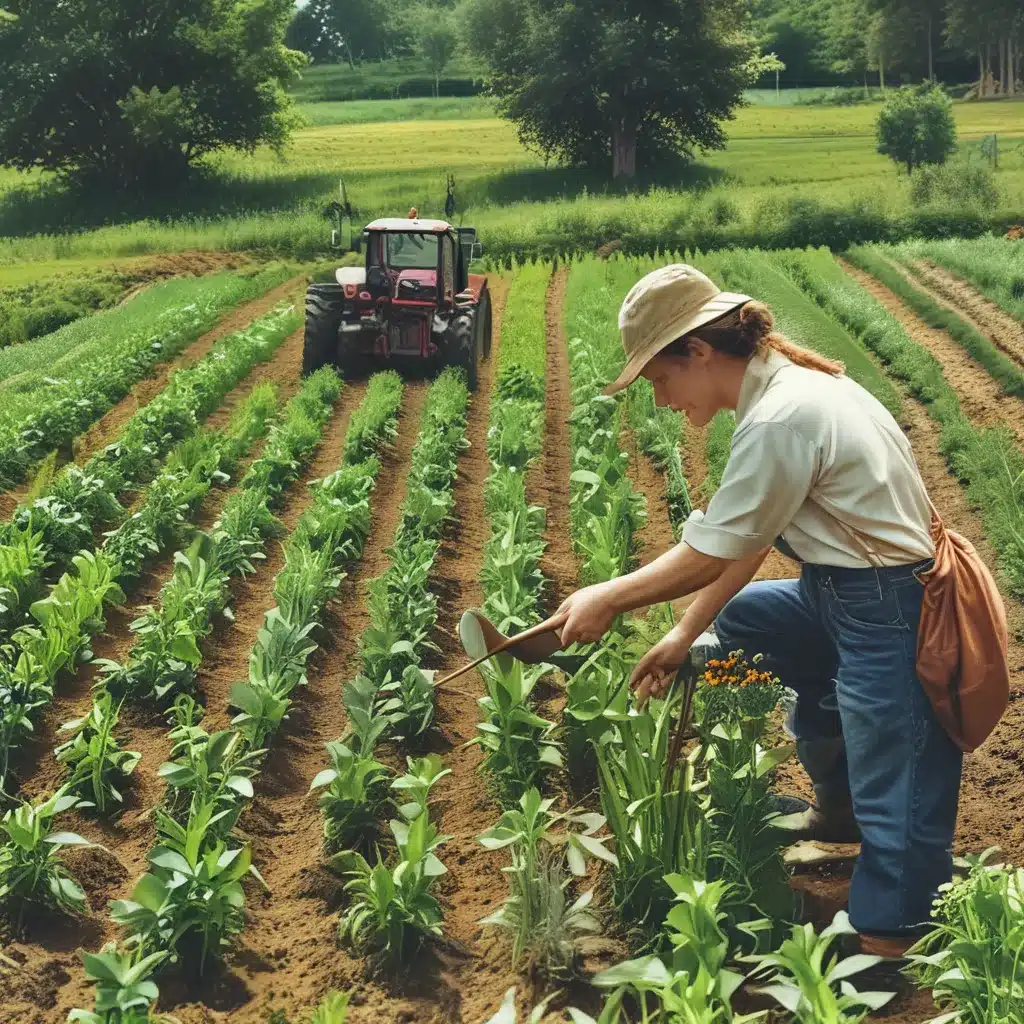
[588,615]
[655,671]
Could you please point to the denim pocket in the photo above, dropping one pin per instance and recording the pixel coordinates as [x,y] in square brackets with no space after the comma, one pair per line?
[870,605]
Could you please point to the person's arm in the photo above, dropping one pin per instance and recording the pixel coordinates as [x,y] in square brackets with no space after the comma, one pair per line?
[658,666]
[770,471]
[677,573]
[714,597]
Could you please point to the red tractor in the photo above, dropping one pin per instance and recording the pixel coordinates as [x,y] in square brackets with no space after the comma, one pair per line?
[413,301]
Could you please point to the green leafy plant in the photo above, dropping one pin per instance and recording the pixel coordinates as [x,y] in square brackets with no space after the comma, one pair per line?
[972,958]
[93,757]
[392,910]
[537,912]
[803,976]
[124,991]
[31,869]
[192,893]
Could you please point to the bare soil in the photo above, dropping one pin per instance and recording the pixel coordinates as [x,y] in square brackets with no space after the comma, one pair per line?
[549,484]
[983,400]
[966,301]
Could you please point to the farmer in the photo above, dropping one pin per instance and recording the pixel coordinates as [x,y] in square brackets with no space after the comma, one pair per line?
[819,469]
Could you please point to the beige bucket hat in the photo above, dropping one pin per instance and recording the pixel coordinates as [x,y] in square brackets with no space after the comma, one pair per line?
[663,306]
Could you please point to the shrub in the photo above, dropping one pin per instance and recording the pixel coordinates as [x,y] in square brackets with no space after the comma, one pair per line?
[958,184]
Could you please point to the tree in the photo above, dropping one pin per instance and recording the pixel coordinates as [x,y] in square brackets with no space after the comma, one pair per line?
[348,30]
[589,80]
[993,30]
[433,34]
[131,92]
[916,126]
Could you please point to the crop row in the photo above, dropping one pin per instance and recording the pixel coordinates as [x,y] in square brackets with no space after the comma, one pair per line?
[190,903]
[40,420]
[515,739]
[47,531]
[391,908]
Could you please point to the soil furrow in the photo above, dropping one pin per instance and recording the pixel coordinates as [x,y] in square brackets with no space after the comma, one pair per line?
[983,400]
[964,299]
[226,651]
[288,956]
[655,537]
[549,483]
[111,423]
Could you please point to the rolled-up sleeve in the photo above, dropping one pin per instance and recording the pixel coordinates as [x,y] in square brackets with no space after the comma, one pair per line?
[770,472]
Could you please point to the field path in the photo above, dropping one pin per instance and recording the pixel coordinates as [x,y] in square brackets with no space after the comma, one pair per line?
[548,483]
[966,301]
[983,399]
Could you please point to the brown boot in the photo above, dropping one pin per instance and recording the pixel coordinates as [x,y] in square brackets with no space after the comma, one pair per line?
[831,824]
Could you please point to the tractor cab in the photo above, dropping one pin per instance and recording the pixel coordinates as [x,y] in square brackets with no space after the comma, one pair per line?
[414,298]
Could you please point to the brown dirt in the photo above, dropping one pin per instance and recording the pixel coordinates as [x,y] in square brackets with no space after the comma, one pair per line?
[966,301]
[549,484]
[982,399]
[193,263]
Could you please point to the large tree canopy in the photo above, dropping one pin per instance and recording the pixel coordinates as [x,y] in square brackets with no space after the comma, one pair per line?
[133,91]
[597,80]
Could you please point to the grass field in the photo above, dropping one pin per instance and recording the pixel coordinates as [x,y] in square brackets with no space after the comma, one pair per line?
[834,182]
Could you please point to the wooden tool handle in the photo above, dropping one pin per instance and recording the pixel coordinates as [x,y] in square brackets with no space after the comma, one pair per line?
[542,627]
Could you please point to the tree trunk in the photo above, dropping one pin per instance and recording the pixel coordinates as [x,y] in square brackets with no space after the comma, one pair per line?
[931,52]
[624,130]
[881,69]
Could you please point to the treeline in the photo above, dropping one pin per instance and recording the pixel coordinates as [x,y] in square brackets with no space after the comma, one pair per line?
[819,42]
[890,42]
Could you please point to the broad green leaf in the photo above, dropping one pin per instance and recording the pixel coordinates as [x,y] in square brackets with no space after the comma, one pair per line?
[647,970]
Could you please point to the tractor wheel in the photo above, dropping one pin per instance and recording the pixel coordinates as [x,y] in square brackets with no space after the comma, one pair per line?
[483,324]
[461,345]
[324,306]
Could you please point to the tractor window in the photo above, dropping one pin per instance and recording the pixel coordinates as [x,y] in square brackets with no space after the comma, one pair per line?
[412,250]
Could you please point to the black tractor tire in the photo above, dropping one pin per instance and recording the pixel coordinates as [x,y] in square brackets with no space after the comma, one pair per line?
[325,304]
[484,325]
[461,341]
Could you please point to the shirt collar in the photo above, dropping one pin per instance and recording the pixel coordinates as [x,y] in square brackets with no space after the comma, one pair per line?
[756,378]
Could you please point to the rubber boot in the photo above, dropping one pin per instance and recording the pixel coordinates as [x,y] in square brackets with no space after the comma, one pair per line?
[831,818]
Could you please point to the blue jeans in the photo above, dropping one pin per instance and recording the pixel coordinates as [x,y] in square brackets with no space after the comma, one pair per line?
[845,641]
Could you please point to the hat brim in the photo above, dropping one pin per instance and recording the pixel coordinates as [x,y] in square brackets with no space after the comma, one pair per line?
[721,305]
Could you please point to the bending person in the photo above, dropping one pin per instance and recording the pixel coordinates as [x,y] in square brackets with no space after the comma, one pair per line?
[819,468]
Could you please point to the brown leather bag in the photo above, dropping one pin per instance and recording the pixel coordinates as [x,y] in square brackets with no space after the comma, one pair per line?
[962,640]
[961,637]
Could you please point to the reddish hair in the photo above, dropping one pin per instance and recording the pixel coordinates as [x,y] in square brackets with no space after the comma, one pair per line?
[750,329]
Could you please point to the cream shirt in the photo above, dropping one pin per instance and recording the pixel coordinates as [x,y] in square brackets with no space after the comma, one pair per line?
[806,441]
